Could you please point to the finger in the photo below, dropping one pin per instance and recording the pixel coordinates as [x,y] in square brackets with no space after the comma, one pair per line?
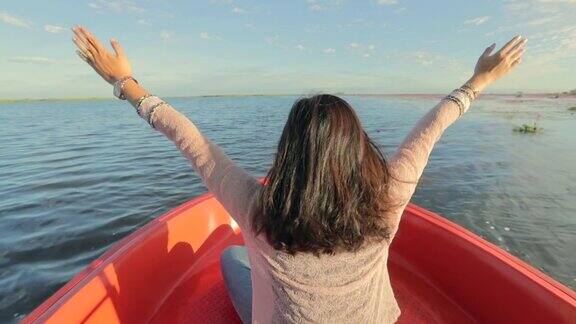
[82,47]
[87,45]
[80,44]
[83,57]
[87,59]
[84,36]
[117,47]
[518,61]
[92,39]
[81,36]
[86,49]
[510,44]
[517,47]
[489,49]
[518,55]
[81,40]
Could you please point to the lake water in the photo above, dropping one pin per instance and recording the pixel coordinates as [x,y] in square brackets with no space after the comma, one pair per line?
[77,176]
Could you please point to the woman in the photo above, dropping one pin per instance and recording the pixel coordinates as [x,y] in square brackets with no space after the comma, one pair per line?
[317,234]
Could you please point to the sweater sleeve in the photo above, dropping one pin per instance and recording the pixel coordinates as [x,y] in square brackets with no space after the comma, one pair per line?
[410,158]
[232,186]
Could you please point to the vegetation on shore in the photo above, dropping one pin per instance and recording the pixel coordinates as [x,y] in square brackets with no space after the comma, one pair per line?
[564,94]
[10,101]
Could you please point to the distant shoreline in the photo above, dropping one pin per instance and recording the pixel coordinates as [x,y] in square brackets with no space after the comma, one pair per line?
[552,95]
[8,101]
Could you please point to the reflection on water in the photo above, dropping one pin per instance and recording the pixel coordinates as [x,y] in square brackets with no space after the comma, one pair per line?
[76,177]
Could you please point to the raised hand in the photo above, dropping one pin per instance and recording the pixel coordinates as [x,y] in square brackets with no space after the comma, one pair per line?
[110,66]
[491,67]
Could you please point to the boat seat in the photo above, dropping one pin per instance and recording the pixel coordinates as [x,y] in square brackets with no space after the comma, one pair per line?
[203,298]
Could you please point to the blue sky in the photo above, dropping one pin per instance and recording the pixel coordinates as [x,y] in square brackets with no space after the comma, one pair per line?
[204,47]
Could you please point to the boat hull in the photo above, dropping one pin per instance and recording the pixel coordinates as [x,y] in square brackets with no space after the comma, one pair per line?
[168,272]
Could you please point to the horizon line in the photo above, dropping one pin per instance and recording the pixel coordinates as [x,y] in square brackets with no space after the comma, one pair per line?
[339,93]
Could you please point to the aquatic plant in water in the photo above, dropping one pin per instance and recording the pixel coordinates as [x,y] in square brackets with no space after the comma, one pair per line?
[572,109]
[525,128]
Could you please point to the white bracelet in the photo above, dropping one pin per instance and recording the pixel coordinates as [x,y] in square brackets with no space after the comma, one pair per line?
[469,87]
[146,106]
[152,110]
[140,102]
[463,98]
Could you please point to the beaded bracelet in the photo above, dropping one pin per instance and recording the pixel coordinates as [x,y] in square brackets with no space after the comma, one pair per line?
[152,110]
[464,98]
[457,102]
[140,101]
[467,93]
[475,92]
[144,110]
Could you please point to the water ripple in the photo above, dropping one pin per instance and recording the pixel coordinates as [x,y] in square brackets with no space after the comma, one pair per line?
[90,173]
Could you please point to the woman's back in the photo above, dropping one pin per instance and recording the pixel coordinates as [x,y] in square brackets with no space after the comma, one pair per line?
[347,287]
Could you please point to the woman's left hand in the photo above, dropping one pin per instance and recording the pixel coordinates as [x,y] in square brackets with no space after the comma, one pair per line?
[111,66]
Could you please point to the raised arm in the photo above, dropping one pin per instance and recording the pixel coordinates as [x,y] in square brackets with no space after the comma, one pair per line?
[231,185]
[409,160]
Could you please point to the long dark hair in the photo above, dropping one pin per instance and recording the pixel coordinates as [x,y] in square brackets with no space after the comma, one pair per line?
[327,189]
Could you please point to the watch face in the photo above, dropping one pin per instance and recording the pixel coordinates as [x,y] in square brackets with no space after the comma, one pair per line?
[116,94]
[118,89]
[118,85]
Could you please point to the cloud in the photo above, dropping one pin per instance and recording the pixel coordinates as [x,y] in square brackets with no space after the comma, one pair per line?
[477,21]
[238,10]
[231,4]
[53,29]
[144,22]
[275,41]
[423,58]
[412,61]
[316,7]
[208,36]
[14,21]
[32,59]
[558,1]
[540,21]
[272,40]
[548,24]
[329,50]
[386,2]
[117,6]
[166,36]
[320,5]
[205,35]
[362,23]
[363,50]
[551,46]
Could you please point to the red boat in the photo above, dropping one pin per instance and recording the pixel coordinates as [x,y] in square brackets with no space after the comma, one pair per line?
[168,272]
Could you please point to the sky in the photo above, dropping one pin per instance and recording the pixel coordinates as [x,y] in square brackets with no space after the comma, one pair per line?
[220,47]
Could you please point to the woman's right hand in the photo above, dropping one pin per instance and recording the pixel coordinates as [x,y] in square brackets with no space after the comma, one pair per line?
[491,67]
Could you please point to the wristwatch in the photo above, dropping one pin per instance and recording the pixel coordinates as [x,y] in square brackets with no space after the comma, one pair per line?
[119,86]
